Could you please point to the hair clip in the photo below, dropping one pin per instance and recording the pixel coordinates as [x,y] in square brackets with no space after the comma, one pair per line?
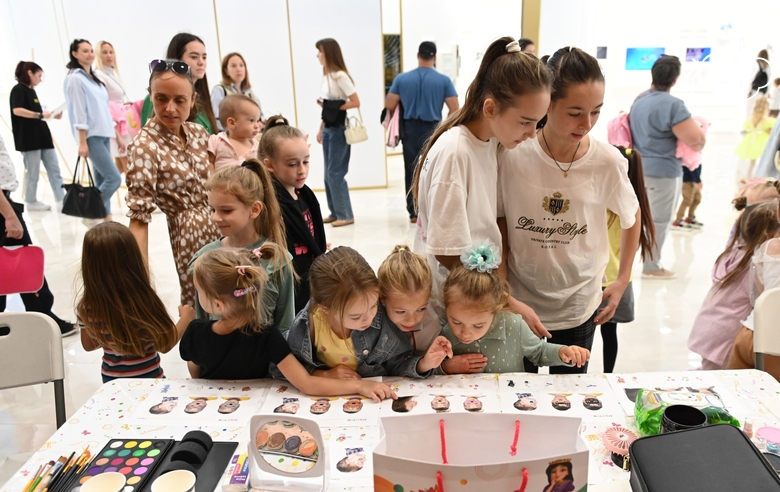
[570,48]
[513,47]
[257,252]
[402,248]
[628,151]
[484,258]
[243,292]
[241,269]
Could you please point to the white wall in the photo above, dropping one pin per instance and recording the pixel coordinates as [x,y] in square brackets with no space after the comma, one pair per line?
[715,90]
[356,25]
[41,30]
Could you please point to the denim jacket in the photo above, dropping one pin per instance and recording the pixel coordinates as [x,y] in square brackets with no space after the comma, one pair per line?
[381,350]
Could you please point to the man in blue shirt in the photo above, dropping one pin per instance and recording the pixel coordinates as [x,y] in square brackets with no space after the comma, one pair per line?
[423,92]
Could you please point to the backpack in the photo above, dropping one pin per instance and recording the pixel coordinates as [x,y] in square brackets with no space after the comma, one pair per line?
[618,131]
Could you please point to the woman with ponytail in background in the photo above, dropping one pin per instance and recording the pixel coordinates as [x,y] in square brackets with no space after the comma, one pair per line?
[457,173]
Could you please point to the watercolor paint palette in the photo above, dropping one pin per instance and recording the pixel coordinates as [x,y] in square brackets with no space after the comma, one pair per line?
[283,438]
[136,459]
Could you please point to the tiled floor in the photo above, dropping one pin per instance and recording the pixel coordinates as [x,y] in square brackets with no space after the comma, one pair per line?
[655,341]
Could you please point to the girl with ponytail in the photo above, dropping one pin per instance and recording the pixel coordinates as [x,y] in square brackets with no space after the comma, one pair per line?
[245,210]
[456,175]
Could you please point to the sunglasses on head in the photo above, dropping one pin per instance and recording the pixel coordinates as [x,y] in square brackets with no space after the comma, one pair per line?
[176,66]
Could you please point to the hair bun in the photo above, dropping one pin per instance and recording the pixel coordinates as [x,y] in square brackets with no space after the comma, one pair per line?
[740,202]
[276,120]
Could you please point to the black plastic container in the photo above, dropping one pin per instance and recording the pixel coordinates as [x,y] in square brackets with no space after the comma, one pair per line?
[682,417]
[714,458]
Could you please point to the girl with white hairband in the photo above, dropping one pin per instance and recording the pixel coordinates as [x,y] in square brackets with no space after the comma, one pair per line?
[555,194]
[457,172]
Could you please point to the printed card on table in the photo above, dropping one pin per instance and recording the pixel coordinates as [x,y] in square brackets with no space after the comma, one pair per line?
[687,388]
[350,465]
[202,401]
[462,393]
[284,398]
[584,395]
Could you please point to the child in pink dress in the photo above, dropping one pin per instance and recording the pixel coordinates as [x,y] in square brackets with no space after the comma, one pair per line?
[728,301]
[240,116]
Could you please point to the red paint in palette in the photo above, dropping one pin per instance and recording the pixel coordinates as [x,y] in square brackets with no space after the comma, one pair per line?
[134,458]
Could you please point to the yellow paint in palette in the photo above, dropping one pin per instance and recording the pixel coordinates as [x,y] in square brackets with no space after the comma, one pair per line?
[136,459]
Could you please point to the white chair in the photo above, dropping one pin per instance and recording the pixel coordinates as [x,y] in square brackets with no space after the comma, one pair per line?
[766,326]
[31,353]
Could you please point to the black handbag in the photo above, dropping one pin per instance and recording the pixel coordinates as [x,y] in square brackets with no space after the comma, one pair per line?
[83,201]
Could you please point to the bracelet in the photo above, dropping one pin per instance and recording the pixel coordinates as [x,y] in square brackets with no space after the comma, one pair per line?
[40,116]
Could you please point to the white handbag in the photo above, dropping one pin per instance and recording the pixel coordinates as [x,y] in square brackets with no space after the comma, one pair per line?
[355,132]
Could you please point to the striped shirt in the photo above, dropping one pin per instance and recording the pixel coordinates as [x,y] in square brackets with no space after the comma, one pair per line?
[116,365]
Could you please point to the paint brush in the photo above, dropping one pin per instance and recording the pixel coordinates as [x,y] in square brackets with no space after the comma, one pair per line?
[55,469]
[58,472]
[66,475]
[27,487]
[38,479]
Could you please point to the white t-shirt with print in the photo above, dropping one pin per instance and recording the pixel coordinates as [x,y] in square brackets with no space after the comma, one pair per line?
[337,85]
[457,200]
[557,227]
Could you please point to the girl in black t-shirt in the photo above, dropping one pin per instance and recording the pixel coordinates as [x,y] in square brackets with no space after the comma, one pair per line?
[284,151]
[32,136]
[230,283]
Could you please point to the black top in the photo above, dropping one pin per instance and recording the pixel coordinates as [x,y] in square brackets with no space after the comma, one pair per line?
[233,356]
[29,133]
[302,244]
[761,80]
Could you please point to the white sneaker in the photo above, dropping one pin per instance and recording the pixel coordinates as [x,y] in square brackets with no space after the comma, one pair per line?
[90,223]
[662,274]
[36,206]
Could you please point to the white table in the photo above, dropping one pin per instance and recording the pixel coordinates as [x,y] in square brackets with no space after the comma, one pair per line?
[118,410]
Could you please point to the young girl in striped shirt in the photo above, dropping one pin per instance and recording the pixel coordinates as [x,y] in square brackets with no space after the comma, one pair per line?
[118,309]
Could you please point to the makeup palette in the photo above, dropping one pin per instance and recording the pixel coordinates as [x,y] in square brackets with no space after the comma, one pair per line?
[286,438]
[136,459]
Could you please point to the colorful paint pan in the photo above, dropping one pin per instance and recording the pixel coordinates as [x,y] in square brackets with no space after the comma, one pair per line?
[136,459]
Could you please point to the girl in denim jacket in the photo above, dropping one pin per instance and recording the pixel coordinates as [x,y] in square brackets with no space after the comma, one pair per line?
[344,333]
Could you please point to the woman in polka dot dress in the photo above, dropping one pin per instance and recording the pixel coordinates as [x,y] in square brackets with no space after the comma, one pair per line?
[168,168]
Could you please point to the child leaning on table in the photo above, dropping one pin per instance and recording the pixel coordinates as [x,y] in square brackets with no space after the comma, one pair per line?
[118,309]
[241,344]
[479,321]
[344,333]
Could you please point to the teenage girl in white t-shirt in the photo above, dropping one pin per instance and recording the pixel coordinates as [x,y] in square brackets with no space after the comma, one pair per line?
[457,172]
[554,192]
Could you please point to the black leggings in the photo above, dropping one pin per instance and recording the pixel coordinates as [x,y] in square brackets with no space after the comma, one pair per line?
[582,336]
[609,336]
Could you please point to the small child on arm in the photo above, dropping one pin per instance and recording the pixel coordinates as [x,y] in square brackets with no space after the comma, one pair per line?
[240,116]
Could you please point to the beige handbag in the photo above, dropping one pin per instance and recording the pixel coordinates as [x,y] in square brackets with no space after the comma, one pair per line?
[355,132]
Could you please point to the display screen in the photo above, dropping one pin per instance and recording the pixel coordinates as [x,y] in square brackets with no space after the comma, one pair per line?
[642,58]
[697,54]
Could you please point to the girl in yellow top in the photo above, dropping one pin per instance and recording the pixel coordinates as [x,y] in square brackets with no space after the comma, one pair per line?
[625,310]
[343,332]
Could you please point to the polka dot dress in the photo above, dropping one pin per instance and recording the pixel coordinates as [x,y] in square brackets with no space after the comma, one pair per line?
[165,172]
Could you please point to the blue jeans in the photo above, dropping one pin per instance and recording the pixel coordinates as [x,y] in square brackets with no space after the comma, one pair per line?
[417,132]
[32,163]
[104,169]
[337,150]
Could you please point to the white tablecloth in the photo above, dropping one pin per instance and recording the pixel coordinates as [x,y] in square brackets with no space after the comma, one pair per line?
[119,409]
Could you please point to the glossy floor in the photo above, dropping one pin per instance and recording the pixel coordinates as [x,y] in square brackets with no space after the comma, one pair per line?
[655,341]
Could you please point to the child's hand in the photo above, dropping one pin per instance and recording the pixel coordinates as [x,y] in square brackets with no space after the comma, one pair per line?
[340,372]
[575,355]
[186,313]
[440,349]
[464,363]
[377,391]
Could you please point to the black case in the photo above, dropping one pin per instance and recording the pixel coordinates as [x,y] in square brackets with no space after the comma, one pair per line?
[712,458]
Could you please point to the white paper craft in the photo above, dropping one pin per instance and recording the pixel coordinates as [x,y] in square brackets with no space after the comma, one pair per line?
[327,411]
[350,466]
[58,110]
[587,396]
[196,401]
[481,453]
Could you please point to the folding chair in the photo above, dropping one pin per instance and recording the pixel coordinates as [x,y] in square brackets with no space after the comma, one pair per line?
[31,353]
